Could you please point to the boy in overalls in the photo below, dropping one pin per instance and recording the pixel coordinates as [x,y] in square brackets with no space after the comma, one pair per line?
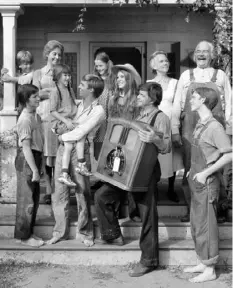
[209,138]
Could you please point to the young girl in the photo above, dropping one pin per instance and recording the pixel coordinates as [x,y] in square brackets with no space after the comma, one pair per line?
[209,139]
[63,109]
[28,164]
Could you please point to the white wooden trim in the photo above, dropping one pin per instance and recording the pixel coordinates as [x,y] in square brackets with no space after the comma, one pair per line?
[79,2]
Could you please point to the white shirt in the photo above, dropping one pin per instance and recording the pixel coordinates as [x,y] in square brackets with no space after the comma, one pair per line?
[87,120]
[201,76]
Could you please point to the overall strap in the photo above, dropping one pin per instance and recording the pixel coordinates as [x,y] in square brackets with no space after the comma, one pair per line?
[214,77]
[154,118]
[204,128]
[191,75]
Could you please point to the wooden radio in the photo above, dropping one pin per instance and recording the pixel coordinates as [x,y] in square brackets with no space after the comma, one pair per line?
[125,161]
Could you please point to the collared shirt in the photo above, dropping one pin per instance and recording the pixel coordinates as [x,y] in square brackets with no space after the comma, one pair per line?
[87,120]
[212,140]
[201,76]
[43,78]
[162,124]
[29,126]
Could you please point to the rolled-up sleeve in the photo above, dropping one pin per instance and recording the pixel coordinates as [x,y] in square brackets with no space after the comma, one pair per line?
[54,100]
[162,124]
[94,118]
[24,130]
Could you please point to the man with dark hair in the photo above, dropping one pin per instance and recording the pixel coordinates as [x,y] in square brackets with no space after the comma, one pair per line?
[89,116]
[108,197]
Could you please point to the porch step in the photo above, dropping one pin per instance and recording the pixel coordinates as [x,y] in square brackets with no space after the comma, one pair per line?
[169,228]
[166,209]
[71,252]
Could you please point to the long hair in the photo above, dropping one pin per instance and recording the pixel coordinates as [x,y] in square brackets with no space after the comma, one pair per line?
[109,80]
[128,110]
[58,70]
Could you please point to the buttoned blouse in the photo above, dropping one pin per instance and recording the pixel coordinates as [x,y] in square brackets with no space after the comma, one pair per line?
[43,78]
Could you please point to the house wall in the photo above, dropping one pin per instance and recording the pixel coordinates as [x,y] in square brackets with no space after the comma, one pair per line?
[157,29]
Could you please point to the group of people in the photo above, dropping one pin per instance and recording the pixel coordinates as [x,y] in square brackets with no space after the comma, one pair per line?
[64,135]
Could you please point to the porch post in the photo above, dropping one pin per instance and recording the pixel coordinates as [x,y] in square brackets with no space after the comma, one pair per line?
[8,115]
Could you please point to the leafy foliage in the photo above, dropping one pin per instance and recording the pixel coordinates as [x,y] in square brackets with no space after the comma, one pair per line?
[222,28]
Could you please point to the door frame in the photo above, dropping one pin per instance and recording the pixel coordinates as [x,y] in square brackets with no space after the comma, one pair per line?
[141,46]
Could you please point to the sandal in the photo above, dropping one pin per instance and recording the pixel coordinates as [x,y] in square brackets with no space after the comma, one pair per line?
[47,199]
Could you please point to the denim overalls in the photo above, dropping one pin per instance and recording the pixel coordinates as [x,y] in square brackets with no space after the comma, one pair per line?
[204,197]
[189,120]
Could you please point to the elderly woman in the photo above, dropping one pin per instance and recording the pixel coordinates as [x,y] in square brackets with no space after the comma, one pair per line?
[43,79]
[201,76]
[170,162]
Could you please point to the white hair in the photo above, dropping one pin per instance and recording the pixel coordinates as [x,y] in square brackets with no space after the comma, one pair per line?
[211,49]
[153,56]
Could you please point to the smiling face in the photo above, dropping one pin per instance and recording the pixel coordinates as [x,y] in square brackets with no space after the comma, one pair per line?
[160,63]
[143,99]
[121,81]
[203,55]
[84,90]
[33,101]
[65,79]
[54,57]
[101,67]
[196,101]
[25,67]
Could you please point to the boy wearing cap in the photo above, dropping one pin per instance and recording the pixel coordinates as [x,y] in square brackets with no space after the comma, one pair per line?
[209,138]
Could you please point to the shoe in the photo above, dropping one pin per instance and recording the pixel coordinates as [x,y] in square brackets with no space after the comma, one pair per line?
[82,169]
[47,199]
[65,179]
[185,218]
[136,219]
[118,241]
[140,270]
[172,196]
[221,219]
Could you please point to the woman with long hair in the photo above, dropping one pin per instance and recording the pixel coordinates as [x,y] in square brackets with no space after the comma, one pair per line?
[103,68]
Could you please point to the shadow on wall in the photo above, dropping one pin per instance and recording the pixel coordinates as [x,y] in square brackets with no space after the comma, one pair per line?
[1,96]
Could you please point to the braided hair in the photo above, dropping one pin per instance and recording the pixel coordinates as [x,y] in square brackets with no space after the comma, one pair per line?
[58,70]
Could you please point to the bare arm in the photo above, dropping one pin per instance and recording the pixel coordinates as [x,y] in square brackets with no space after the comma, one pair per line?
[202,176]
